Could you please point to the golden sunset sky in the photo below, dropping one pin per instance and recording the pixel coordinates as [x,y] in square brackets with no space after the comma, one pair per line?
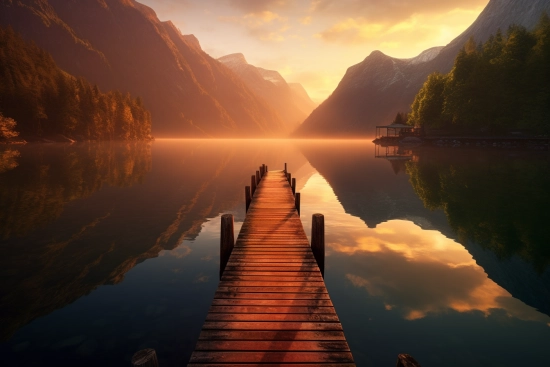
[313,42]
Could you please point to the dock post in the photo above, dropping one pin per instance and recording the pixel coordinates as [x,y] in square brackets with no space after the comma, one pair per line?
[285,167]
[294,186]
[252,185]
[297,202]
[405,360]
[289,178]
[318,240]
[227,240]
[257,178]
[266,170]
[145,358]
[247,197]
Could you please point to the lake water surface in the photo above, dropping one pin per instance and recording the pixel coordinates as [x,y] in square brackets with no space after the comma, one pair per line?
[106,249]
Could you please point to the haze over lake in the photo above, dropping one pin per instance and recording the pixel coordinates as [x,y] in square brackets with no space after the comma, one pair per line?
[110,248]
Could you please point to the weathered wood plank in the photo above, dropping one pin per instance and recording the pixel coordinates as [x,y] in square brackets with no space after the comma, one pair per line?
[270,357]
[271,302]
[276,345]
[302,317]
[266,295]
[271,335]
[272,309]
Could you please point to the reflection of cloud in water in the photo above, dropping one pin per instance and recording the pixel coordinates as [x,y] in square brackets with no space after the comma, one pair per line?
[420,272]
[179,252]
[414,271]
[201,278]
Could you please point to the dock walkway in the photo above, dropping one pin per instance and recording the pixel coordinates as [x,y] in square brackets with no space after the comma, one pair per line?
[271,305]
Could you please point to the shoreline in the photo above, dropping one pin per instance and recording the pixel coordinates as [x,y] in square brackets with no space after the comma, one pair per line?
[496,142]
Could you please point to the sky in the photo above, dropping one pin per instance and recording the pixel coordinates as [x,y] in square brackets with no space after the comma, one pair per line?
[313,42]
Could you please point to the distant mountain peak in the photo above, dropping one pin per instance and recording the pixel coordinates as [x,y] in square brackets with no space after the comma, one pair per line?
[426,55]
[235,59]
[377,53]
[272,76]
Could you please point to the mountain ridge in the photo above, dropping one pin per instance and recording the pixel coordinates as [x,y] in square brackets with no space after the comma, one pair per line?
[121,44]
[389,85]
[293,104]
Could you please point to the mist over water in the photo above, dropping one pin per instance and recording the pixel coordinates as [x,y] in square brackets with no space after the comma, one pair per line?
[110,248]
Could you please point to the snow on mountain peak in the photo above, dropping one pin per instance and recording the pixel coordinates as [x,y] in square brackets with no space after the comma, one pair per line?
[426,55]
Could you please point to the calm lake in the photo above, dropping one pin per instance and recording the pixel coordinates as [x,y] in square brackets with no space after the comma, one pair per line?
[106,249]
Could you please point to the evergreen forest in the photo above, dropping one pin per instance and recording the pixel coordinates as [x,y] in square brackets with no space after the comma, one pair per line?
[497,87]
[38,99]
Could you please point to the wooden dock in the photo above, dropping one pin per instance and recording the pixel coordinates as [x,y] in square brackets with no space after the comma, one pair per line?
[271,306]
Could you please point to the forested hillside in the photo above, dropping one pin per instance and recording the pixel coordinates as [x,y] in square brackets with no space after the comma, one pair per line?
[495,87]
[44,100]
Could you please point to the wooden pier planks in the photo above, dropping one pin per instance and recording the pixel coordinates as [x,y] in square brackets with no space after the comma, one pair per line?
[272,306]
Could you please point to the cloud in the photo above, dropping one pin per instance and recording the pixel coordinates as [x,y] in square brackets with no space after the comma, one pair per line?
[352,31]
[255,6]
[263,25]
[389,11]
[417,29]
[305,20]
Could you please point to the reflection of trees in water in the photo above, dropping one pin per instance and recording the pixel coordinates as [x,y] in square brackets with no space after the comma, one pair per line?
[97,240]
[8,160]
[496,201]
[49,177]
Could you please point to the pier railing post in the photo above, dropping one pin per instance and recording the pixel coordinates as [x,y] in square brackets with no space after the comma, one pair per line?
[297,202]
[289,178]
[252,185]
[145,358]
[285,167]
[257,177]
[247,197]
[318,240]
[227,240]
[294,186]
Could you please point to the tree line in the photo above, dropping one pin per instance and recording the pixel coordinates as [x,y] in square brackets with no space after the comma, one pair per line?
[38,99]
[495,87]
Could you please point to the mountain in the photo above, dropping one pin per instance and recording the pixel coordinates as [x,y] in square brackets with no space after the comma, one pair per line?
[121,44]
[373,91]
[291,101]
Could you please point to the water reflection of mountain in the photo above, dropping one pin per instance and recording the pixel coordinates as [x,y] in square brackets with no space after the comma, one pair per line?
[74,218]
[372,190]
[497,203]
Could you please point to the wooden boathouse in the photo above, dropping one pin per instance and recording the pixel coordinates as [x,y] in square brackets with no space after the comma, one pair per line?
[271,305]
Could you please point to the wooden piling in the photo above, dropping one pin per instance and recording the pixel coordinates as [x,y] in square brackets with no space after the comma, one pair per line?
[289,178]
[257,178]
[318,240]
[405,360]
[294,186]
[227,240]
[145,358]
[297,202]
[247,197]
[252,185]
[285,167]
